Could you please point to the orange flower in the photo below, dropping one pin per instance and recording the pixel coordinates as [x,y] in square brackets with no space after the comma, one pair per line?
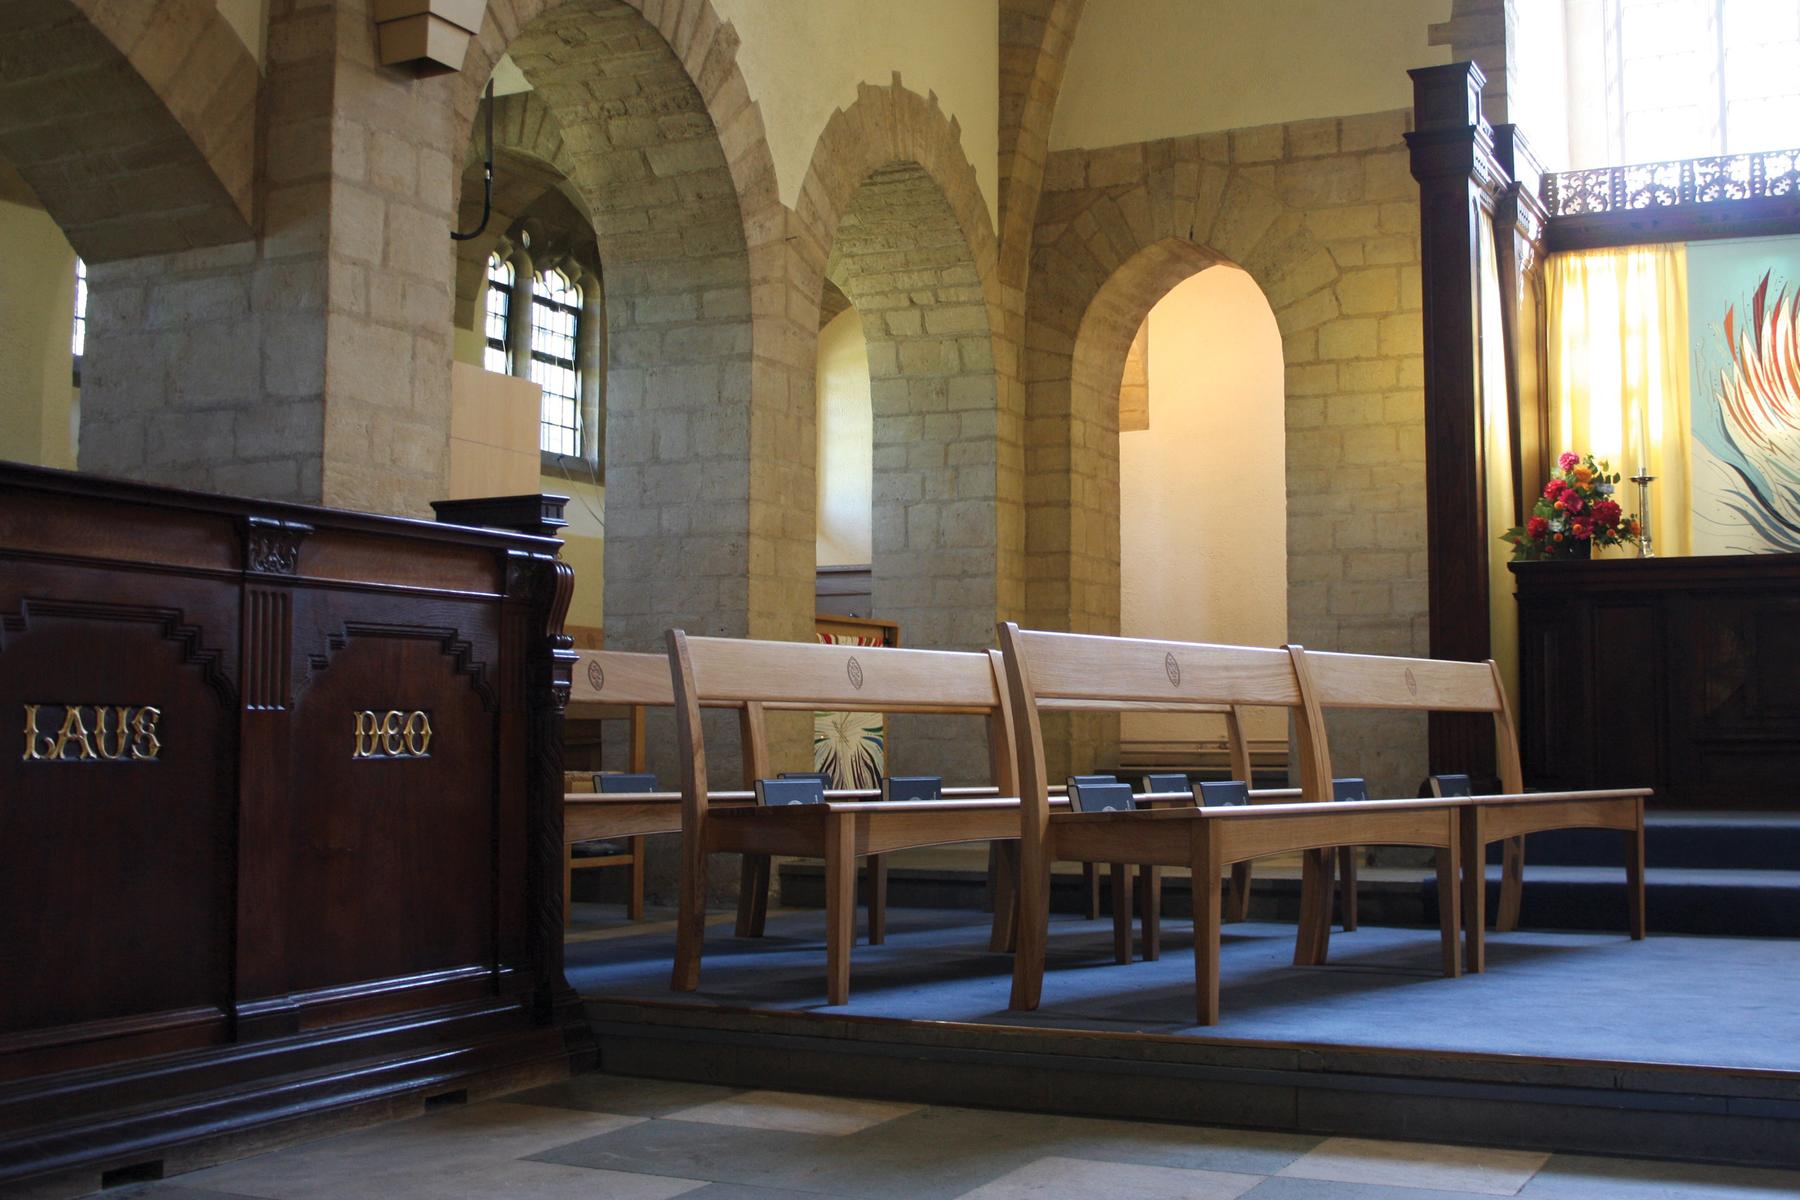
[1583,476]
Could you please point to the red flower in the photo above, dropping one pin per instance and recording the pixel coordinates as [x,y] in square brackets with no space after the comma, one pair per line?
[1536,528]
[1606,513]
[1580,530]
[1570,502]
[1553,489]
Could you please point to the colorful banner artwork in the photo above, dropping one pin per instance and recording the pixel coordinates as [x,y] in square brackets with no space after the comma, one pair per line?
[1744,322]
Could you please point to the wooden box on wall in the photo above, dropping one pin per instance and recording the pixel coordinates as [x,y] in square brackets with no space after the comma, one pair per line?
[279,814]
[1675,673]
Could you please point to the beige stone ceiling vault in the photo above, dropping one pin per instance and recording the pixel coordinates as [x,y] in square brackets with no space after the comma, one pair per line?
[135,123]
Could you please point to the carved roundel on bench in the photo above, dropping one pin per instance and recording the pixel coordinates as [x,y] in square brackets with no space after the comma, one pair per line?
[854,670]
[1173,668]
[596,675]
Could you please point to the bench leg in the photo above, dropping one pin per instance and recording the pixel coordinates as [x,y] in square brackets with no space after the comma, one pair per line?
[1474,890]
[1090,883]
[1205,865]
[634,898]
[1313,939]
[877,883]
[1151,899]
[1347,886]
[1512,883]
[840,906]
[753,895]
[1032,931]
[690,917]
[1240,892]
[1449,867]
[1003,858]
[1634,875]
[1121,911]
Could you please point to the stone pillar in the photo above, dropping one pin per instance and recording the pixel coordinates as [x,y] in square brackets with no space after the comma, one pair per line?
[518,315]
[590,363]
[312,362]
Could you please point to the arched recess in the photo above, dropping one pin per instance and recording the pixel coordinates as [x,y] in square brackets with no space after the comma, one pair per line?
[667,154]
[893,217]
[529,163]
[134,123]
[1103,257]
[1035,37]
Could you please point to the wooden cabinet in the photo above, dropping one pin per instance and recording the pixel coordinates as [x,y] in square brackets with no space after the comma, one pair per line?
[1682,674]
[280,814]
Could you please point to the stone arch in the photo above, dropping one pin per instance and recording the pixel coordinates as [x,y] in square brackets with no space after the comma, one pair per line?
[1103,255]
[667,152]
[1143,219]
[529,163]
[891,214]
[1035,38]
[135,124]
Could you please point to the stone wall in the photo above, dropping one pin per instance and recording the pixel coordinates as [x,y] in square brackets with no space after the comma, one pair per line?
[1324,216]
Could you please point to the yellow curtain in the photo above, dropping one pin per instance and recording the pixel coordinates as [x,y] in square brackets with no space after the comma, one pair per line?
[1618,350]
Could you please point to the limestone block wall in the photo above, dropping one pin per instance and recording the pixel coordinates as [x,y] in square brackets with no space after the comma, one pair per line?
[1323,214]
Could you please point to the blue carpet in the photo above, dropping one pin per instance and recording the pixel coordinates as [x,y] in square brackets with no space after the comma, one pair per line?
[1705,1001]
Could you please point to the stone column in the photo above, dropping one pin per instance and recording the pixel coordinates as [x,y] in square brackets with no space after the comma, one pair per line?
[518,314]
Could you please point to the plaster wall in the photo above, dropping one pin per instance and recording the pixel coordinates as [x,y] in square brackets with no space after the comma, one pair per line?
[37,305]
[1147,69]
[1203,490]
[802,62]
[846,443]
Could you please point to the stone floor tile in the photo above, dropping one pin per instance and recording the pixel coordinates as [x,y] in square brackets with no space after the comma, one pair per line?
[716,1153]
[167,1191]
[1246,1151]
[1474,1169]
[1080,1179]
[795,1112]
[1582,1177]
[1288,1188]
[746,1191]
[392,1156]
[622,1094]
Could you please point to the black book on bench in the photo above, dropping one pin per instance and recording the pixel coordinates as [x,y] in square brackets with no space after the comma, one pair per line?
[1451,785]
[912,787]
[1099,794]
[825,780]
[619,781]
[1352,788]
[1222,793]
[780,793]
[1171,782]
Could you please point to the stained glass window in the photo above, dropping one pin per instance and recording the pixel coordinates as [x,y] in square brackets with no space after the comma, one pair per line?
[555,319]
[497,357]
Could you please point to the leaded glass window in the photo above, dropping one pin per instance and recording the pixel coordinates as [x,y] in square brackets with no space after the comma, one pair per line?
[555,319]
[496,357]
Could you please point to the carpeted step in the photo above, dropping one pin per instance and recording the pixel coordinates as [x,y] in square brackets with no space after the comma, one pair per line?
[1709,841]
[1733,903]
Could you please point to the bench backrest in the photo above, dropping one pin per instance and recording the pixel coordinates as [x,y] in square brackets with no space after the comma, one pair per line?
[1048,672]
[1331,680]
[605,680]
[815,676]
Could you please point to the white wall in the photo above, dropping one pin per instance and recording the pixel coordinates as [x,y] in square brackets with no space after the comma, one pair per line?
[37,307]
[846,444]
[802,61]
[1203,491]
[1146,69]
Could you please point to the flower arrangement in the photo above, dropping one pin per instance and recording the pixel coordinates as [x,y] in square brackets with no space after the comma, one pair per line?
[1575,513]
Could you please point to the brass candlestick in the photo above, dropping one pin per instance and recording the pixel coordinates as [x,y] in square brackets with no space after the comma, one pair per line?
[1644,479]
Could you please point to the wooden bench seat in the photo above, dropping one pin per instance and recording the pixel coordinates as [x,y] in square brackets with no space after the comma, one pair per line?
[777,675]
[1059,671]
[1333,680]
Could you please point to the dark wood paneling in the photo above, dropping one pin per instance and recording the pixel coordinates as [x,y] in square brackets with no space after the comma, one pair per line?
[1677,673]
[256,912]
